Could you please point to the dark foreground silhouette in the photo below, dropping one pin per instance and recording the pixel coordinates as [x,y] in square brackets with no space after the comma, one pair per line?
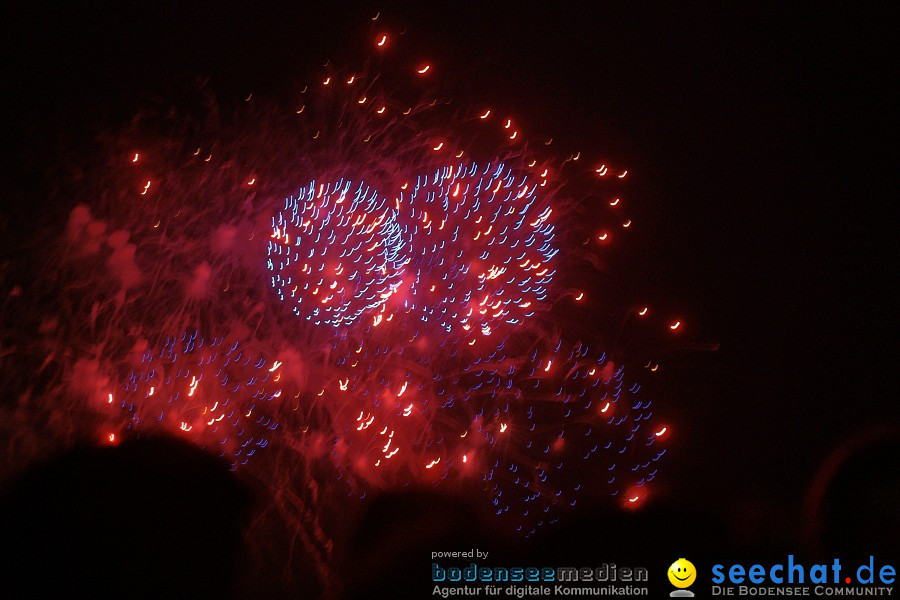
[158,518]
[150,518]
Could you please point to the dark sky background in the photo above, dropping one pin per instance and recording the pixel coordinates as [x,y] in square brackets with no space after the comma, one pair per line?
[759,135]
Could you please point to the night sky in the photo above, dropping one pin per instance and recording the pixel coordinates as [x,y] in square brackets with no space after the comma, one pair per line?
[759,139]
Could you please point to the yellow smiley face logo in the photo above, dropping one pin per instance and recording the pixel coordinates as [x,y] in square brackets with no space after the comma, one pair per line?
[682,573]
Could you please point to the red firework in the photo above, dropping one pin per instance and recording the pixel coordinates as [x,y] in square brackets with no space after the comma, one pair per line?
[347,290]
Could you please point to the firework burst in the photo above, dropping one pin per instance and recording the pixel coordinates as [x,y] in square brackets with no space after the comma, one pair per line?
[345,296]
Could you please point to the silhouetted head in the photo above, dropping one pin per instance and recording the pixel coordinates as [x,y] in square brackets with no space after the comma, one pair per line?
[148,518]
